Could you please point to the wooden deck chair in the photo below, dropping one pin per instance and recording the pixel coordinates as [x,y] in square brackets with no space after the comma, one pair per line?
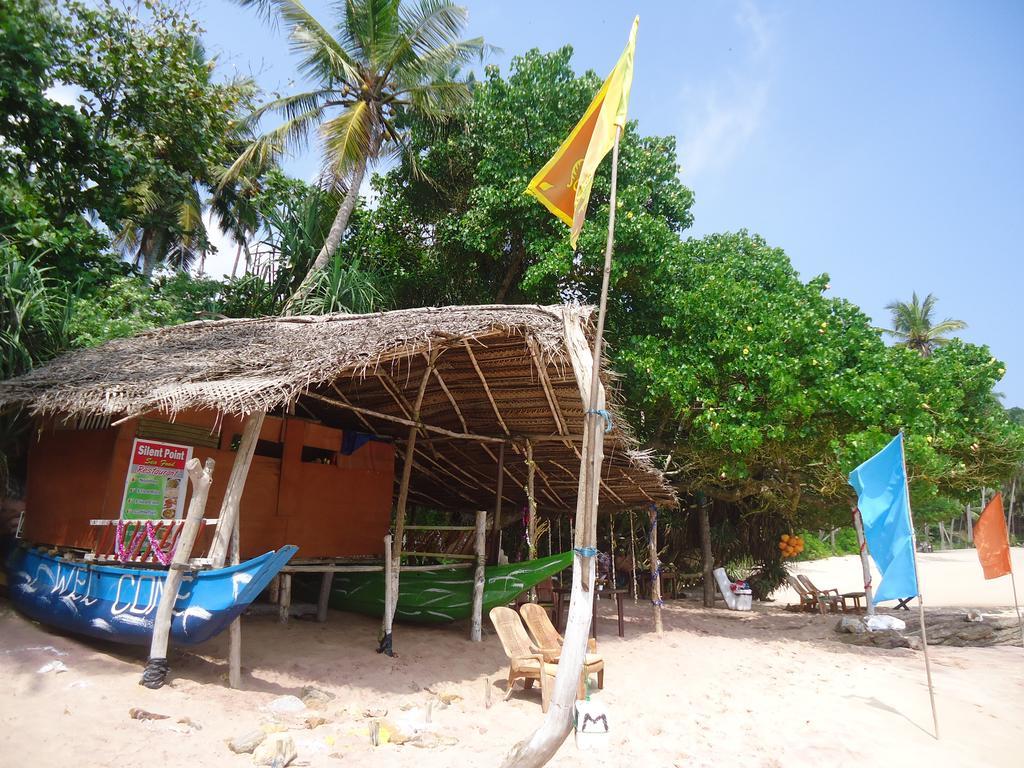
[525,662]
[808,600]
[547,640]
[831,597]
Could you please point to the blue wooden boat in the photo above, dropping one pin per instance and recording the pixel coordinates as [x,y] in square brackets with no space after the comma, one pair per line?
[119,604]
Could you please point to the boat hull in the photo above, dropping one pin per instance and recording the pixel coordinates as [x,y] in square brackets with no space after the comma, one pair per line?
[435,597]
[120,604]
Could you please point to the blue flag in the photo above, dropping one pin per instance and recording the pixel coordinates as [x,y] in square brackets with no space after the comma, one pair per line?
[881,485]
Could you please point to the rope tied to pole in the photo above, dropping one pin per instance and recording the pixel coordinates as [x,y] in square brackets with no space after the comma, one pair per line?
[607,417]
[585,551]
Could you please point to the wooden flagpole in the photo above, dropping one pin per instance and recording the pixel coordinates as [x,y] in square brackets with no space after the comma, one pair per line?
[1016,605]
[862,544]
[542,745]
[920,600]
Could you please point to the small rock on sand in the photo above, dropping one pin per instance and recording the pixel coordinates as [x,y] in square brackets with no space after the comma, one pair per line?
[277,751]
[316,697]
[286,705]
[247,742]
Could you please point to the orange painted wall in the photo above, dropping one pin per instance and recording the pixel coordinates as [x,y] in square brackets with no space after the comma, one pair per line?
[328,510]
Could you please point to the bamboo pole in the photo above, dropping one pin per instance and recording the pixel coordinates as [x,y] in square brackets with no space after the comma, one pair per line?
[403,498]
[632,557]
[920,600]
[389,601]
[235,628]
[652,544]
[545,741]
[236,485]
[708,561]
[496,530]
[476,630]
[156,667]
[531,512]
[862,545]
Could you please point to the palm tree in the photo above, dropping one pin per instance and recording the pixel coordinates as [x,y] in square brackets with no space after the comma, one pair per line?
[912,324]
[386,62]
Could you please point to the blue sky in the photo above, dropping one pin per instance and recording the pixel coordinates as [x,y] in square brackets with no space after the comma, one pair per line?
[882,143]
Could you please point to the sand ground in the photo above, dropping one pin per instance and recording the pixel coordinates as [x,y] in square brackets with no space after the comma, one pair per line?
[769,688]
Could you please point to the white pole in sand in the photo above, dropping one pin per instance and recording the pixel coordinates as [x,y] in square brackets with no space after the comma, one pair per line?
[920,600]
[862,543]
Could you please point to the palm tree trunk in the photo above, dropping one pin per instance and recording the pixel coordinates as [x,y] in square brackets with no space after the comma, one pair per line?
[337,231]
[234,267]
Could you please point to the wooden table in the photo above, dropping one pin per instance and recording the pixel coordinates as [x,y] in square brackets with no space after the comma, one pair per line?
[560,599]
[855,596]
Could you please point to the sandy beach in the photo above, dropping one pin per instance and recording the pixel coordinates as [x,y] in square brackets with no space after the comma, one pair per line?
[769,688]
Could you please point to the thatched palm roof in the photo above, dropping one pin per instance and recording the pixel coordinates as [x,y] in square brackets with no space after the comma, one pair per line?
[503,374]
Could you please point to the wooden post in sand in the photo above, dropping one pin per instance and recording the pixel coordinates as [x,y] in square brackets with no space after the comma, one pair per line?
[652,548]
[500,482]
[156,667]
[235,629]
[236,485]
[531,512]
[862,544]
[394,560]
[389,601]
[704,517]
[476,630]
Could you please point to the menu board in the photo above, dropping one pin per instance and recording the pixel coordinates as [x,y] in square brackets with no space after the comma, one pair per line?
[155,486]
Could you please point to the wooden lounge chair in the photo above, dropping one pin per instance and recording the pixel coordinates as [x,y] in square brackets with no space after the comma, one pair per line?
[547,640]
[525,661]
[808,600]
[831,597]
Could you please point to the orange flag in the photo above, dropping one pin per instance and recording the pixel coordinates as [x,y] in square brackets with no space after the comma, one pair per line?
[563,185]
[990,540]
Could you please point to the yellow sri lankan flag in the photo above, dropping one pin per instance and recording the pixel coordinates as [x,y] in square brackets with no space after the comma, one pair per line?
[563,185]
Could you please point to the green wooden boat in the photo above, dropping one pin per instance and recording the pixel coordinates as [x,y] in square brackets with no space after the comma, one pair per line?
[435,597]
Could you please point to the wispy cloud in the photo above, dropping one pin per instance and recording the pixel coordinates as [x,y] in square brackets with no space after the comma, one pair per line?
[719,117]
[721,125]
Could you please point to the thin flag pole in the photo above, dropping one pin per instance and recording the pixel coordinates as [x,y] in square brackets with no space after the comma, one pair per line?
[920,600]
[1013,580]
[1016,605]
[858,525]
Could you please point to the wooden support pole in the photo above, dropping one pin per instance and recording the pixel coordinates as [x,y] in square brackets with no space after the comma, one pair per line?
[708,561]
[531,502]
[389,601]
[531,513]
[400,508]
[235,629]
[652,549]
[632,556]
[476,630]
[236,485]
[156,667]
[284,606]
[865,566]
[496,529]
[326,580]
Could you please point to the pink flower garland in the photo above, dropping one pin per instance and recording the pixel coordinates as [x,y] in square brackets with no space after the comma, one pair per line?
[147,530]
[163,557]
[124,555]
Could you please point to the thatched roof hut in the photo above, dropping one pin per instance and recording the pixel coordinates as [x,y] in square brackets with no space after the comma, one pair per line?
[502,376]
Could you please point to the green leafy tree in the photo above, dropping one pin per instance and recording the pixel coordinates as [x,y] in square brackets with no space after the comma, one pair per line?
[147,89]
[473,236]
[387,62]
[915,327]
